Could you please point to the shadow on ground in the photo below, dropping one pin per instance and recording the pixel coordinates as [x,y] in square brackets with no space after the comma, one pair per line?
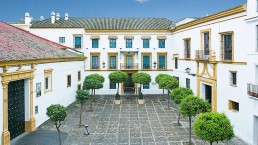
[42,137]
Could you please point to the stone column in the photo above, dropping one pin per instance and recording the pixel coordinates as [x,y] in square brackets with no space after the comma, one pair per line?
[5,133]
[31,125]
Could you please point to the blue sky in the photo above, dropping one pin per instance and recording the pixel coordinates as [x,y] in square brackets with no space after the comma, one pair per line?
[13,10]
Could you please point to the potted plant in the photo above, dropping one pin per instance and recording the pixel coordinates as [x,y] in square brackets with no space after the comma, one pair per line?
[141,78]
[117,77]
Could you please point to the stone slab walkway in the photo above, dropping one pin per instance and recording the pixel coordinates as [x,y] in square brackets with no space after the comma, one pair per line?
[128,123]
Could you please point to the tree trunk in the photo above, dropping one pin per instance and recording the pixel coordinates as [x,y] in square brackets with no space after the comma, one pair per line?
[58,130]
[94,95]
[91,99]
[210,143]
[163,94]
[81,115]
[118,88]
[168,99]
[140,89]
[178,120]
[190,131]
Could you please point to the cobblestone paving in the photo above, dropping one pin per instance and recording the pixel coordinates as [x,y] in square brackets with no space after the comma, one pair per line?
[128,123]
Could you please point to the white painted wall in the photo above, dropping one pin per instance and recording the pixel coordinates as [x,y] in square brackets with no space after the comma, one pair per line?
[60,94]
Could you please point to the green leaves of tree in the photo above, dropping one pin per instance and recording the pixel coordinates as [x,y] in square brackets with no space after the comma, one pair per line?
[180,93]
[56,112]
[213,127]
[193,105]
[141,78]
[118,77]
[168,82]
[82,96]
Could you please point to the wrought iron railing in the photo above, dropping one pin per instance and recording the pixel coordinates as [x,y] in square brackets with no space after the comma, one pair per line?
[252,90]
[226,56]
[203,54]
[133,66]
[95,67]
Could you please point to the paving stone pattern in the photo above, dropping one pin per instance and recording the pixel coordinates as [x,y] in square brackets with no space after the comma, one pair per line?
[129,123]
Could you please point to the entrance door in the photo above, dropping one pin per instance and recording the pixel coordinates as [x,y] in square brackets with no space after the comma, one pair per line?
[129,85]
[16,108]
[208,93]
[129,61]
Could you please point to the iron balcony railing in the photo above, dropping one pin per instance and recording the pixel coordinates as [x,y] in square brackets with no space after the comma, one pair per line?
[95,67]
[226,56]
[203,54]
[133,66]
[252,90]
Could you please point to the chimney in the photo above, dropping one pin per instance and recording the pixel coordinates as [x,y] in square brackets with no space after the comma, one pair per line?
[66,16]
[41,18]
[53,17]
[27,18]
[57,16]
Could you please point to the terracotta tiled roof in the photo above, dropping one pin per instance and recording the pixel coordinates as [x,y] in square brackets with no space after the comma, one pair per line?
[17,44]
[106,23]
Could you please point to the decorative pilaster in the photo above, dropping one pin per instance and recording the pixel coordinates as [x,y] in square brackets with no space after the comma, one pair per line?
[31,125]
[5,133]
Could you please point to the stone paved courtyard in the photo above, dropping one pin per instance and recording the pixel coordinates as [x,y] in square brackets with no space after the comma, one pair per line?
[128,123]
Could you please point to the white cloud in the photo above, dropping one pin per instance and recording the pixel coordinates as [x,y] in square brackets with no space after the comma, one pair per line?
[142,1]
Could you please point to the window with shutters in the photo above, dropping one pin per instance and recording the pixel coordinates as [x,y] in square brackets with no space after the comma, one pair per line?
[112,43]
[77,42]
[227,46]
[146,60]
[162,61]
[129,43]
[162,43]
[187,83]
[146,43]
[61,40]
[176,63]
[95,61]
[95,43]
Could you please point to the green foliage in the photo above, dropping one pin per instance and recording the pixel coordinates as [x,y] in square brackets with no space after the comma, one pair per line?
[56,113]
[82,96]
[168,82]
[158,77]
[117,97]
[89,84]
[141,78]
[180,93]
[213,127]
[118,77]
[193,105]
[98,77]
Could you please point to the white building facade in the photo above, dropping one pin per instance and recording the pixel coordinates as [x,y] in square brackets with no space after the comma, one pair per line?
[215,56]
[32,79]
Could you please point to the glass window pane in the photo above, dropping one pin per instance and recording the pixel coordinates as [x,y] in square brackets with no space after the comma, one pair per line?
[162,63]
[146,86]
[112,63]
[129,43]
[146,43]
[112,43]
[162,43]
[77,42]
[146,62]
[112,85]
[95,62]
[95,43]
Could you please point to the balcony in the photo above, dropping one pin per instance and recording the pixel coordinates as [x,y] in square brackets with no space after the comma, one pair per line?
[252,90]
[126,66]
[226,56]
[77,46]
[208,55]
